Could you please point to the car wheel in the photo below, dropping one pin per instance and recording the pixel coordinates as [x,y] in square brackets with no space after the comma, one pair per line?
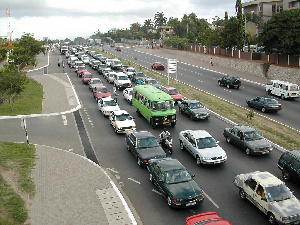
[138,112]
[169,200]
[128,149]
[228,139]
[263,109]
[173,124]
[286,175]
[248,151]
[139,162]
[242,194]
[180,110]
[151,178]
[198,160]
[271,218]
[153,125]
[219,82]
[282,97]
[182,148]
[191,117]
[228,86]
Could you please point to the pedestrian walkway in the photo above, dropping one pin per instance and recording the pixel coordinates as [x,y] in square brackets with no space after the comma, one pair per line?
[70,189]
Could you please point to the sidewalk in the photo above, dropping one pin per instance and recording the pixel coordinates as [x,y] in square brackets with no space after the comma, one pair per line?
[70,189]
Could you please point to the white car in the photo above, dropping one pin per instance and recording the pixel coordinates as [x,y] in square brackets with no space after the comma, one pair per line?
[121,81]
[107,105]
[202,146]
[127,93]
[110,77]
[122,122]
[270,195]
[85,60]
[95,82]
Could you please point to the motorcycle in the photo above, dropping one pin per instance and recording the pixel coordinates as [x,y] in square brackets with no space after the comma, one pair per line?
[167,144]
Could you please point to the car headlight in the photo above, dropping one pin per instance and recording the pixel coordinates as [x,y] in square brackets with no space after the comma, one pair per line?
[206,158]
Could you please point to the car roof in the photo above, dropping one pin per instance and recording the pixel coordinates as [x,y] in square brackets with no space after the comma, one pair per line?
[295,153]
[266,179]
[170,88]
[191,100]
[244,128]
[100,87]
[167,164]
[142,134]
[198,133]
[95,78]
[106,99]
[120,112]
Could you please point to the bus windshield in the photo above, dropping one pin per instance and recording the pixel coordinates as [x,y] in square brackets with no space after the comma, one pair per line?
[163,105]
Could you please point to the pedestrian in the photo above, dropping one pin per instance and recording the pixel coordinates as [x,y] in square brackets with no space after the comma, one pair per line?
[139,82]
[211,61]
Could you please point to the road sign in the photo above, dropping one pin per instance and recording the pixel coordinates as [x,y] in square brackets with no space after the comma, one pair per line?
[172,65]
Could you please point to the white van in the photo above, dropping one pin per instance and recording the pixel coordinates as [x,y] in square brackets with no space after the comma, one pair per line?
[283,89]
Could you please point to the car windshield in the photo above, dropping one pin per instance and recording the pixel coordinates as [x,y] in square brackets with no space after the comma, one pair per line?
[123,117]
[149,142]
[122,78]
[207,142]
[88,76]
[196,105]
[102,90]
[177,176]
[96,82]
[278,193]
[252,135]
[294,87]
[109,103]
[152,81]
[96,62]
[271,101]
[173,92]
[81,68]
[139,75]
[162,106]
[130,70]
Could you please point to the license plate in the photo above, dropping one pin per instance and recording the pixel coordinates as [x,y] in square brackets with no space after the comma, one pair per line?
[165,122]
[190,203]
[127,130]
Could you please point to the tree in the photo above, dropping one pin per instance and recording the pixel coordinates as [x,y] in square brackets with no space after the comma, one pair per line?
[229,34]
[159,19]
[240,28]
[12,83]
[282,33]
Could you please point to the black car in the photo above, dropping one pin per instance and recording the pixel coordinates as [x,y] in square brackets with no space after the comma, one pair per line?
[265,104]
[248,139]
[289,164]
[143,146]
[135,77]
[175,183]
[194,109]
[230,82]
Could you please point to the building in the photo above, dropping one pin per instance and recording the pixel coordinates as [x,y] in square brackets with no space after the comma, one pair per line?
[165,31]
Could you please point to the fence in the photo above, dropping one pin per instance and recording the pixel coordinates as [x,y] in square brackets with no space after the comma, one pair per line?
[274,58]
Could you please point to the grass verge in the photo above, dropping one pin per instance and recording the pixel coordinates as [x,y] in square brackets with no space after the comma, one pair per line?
[16,164]
[279,134]
[29,101]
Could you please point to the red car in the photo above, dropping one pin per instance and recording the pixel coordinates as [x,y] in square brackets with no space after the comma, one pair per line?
[80,70]
[86,76]
[158,66]
[100,92]
[175,94]
[206,218]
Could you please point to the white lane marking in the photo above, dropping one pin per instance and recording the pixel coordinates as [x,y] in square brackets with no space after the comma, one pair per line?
[157,192]
[210,199]
[134,180]
[65,121]
[112,170]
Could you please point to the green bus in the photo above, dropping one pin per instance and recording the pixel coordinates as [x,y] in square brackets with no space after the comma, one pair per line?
[154,104]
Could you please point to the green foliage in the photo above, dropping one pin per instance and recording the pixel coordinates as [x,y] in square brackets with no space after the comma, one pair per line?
[159,19]
[282,33]
[3,52]
[176,42]
[250,114]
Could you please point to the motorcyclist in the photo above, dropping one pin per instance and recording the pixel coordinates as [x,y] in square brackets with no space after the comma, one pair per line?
[163,135]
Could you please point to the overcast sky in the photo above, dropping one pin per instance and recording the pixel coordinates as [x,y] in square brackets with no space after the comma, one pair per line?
[60,19]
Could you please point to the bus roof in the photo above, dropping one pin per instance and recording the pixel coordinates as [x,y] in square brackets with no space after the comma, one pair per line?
[152,93]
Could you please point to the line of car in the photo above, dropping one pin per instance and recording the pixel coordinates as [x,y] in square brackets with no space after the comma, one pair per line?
[162,168]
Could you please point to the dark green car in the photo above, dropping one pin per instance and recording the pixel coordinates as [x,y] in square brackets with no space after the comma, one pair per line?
[175,183]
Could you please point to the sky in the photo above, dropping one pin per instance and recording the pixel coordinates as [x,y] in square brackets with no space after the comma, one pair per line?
[61,19]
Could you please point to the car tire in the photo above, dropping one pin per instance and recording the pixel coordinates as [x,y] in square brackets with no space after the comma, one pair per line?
[128,149]
[242,194]
[248,151]
[191,117]
[182,148]
[282,97]
[228,86]
[228,139]
[169,200]
[219,82]
[153,125]
[173,124]
[138,112]
[180,110]
[271,218]
[198,160]
[286,175]
[263,109]
[151,178]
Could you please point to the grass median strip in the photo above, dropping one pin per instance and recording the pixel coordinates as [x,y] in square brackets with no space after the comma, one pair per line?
[279,134]
[16,185]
